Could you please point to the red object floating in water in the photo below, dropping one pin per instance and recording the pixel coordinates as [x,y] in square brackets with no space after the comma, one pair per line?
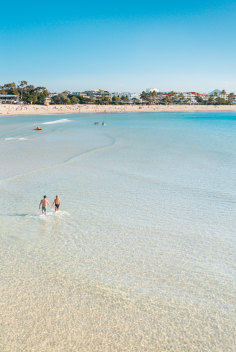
[38,129]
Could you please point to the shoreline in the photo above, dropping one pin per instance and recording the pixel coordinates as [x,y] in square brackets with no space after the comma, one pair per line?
[7,109]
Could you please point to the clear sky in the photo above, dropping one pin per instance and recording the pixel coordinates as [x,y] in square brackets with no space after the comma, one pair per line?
[119,45]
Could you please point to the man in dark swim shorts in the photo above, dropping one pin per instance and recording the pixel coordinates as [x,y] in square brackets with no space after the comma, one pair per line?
[44,202]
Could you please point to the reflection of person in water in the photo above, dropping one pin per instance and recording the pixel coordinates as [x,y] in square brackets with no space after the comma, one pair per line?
[44,202]
[57,203]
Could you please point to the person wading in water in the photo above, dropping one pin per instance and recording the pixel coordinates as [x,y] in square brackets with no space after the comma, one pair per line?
[57,203]
[44,202]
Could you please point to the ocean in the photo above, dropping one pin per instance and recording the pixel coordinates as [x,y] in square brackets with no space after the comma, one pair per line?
[141,256]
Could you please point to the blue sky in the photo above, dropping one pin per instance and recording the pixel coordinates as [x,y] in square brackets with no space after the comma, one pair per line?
[124,45]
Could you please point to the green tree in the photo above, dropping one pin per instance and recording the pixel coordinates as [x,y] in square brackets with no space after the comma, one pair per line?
[173,95]
[61,99]
[167,99]
[231,98]
[107,100]
[135,101]
[9,85]
[99,100]
[211,100]
[116,100]
[9,88]
[85,100]
[145,97]
[220,101]
[199,99]
[125,99]
[32,98]
[22,85]
[181,98]
[74,99]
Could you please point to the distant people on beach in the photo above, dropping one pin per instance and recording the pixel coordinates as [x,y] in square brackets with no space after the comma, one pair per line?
[44,202]
[57,203]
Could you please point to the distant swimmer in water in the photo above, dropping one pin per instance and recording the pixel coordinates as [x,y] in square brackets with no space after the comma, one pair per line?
[95,123]
[44,202]
[57,203]
[103,123]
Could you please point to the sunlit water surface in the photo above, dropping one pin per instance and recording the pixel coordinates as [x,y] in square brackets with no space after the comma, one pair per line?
[142,255]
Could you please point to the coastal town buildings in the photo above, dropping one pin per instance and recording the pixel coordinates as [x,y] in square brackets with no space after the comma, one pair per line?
[97,93]
[128,95]
[218,93]
[177,97]
[11,93]
[94,94]
[191,97]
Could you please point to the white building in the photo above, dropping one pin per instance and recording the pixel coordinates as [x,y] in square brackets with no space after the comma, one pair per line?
[79,94]
[191,96]
[149,90]
[51,95]
[9,99]
[128,95]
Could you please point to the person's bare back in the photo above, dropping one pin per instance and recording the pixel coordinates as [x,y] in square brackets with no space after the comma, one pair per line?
[44,202]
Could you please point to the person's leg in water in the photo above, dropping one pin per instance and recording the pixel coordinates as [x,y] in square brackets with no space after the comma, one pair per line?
[44,210]
[57,207]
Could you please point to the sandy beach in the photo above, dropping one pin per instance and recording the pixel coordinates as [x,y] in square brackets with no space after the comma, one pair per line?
[6,109]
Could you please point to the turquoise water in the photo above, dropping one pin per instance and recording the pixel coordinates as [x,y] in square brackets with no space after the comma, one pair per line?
[142,255]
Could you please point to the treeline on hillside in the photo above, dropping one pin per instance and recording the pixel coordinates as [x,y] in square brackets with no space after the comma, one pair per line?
[26,93]
[68,98]
[145,98]
[36,95]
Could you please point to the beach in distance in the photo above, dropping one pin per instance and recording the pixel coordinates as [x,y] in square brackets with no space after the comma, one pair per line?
[7,109]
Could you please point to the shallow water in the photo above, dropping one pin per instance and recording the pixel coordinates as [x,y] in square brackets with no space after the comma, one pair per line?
[142,255]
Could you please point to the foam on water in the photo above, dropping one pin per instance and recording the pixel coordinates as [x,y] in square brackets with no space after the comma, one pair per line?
[142,256]
[49,215]
[16,139]
[56,122]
